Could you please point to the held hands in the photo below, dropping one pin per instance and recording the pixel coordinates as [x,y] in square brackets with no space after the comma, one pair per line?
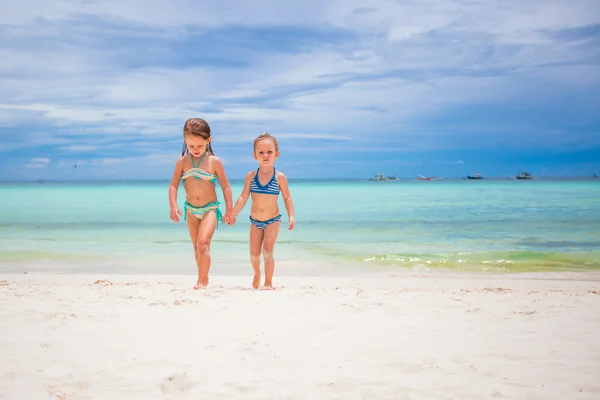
[175,213]
[292,223]
[229,218]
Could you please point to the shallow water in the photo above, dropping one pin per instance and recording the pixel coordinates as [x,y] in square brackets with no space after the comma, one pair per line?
[462,225]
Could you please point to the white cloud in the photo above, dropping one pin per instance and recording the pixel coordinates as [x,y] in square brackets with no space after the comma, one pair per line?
[41,162]
[79,148]
[403,19]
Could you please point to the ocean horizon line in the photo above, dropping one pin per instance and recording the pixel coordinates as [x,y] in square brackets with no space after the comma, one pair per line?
[291,179]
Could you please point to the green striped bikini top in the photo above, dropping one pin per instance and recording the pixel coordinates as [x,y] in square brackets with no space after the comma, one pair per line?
[198,173]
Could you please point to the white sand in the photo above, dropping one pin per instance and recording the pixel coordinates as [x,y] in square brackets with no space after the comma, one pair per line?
[151,337]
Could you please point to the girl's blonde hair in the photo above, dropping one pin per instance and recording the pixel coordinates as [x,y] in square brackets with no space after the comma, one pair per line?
[266,136]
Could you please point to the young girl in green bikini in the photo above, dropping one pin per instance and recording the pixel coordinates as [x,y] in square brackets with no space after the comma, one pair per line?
[200,169]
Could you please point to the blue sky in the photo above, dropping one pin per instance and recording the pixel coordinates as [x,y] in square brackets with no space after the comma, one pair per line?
[349,88]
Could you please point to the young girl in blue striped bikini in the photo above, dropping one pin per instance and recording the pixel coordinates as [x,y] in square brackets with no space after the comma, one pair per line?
[264,185]
[199,169]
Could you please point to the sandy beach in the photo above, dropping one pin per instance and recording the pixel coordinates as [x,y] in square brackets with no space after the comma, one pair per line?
[367,337]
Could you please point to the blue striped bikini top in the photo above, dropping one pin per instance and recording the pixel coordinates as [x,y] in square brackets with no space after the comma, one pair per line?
[272,187]
[198,173]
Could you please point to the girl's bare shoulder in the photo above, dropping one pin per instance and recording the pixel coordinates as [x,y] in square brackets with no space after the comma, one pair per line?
[279,174]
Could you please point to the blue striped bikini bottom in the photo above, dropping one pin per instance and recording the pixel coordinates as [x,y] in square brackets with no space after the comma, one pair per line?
[263,224]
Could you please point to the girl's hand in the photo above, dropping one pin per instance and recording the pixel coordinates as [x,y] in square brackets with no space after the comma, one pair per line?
[175,213]
[229,219]
[292,223]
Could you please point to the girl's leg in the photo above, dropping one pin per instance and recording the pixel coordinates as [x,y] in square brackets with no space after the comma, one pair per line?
[256,240]
[193,224]
[205,234]
[270,237]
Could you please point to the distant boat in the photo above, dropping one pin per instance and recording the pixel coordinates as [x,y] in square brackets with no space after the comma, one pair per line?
[428,178]
[476,176]
[378,177]
[524,175]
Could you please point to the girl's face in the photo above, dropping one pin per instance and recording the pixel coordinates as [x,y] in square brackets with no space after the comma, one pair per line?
[196,145]
[265,152]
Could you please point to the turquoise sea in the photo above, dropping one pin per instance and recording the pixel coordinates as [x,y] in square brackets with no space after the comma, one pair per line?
[485,226]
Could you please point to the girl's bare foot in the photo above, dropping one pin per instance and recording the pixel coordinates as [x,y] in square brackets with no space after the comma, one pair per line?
[201,284]
[256,281]
[267,287]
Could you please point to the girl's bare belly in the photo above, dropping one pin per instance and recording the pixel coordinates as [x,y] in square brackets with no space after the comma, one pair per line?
[200,193]
[264,207]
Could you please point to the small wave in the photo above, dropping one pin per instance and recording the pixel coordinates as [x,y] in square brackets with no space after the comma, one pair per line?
[24,256]
[148,239]
[504,261]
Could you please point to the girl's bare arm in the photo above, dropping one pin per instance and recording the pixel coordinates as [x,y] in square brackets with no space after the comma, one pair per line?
[241,201]
[287,198]
[173,187]
[224,182]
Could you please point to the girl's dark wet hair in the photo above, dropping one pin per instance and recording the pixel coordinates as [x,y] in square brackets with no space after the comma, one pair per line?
[196,127]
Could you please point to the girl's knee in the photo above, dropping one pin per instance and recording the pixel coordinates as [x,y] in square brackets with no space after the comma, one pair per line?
[254,257]
[267,254]
[202,242]
[202,246]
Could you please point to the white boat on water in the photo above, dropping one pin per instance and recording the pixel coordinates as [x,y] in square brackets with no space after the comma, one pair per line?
[380,177]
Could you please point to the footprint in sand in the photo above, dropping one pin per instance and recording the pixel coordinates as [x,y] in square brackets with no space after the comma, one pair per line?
[133,298]
[241,389]
[102,282]
[179,302]
[177,383]
[426,365]
[496,290]
[67,390]
[530,312]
